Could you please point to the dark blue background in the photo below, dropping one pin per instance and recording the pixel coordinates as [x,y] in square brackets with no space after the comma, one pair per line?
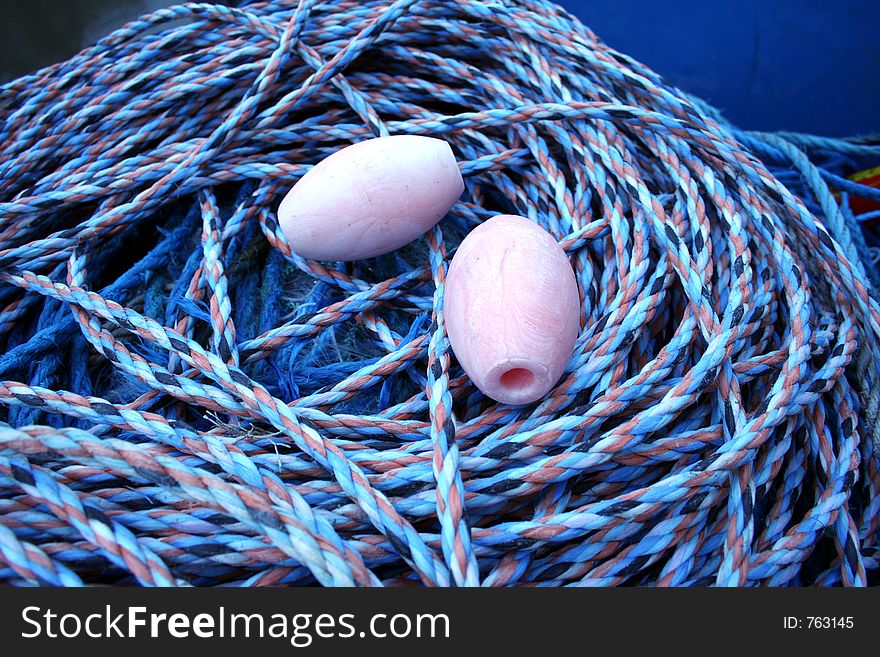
[806,65]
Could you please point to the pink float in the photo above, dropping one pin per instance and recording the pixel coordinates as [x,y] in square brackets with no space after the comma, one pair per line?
[371,198]
[512,309]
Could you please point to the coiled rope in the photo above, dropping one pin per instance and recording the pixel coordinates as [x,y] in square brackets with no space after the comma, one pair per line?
[187,402]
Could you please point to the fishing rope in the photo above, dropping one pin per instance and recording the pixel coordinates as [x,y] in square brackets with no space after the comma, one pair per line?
[185,401]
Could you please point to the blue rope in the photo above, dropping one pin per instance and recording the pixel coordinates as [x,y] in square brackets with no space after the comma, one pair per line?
[185,401]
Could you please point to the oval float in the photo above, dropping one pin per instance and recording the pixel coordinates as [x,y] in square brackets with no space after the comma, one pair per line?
[512,309]
[370,198]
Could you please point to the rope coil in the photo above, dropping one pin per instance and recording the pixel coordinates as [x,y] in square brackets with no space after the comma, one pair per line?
[187,402]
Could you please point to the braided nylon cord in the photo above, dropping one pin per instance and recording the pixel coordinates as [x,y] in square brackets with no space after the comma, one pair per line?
[185,401]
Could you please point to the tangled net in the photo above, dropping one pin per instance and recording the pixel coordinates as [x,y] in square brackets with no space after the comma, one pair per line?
[187,402]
